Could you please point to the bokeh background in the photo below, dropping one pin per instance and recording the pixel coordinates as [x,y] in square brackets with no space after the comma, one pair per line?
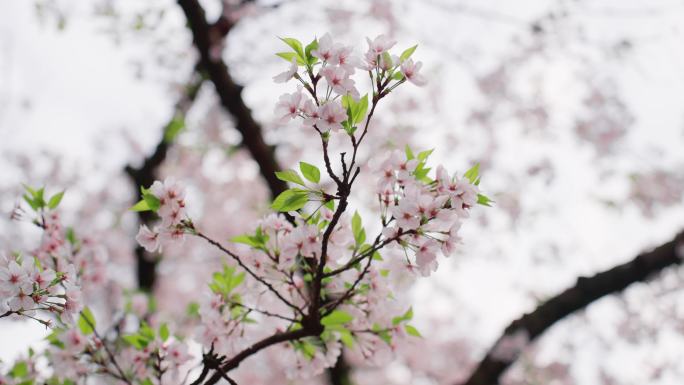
[573,108]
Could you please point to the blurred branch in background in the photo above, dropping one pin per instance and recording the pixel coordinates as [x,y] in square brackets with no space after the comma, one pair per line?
[523,331]
[147,173]
[208,40]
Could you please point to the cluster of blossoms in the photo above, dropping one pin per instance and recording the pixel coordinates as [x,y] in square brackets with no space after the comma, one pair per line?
[430,211]
[147,355]
[337,64]
[168,200]
[46,281]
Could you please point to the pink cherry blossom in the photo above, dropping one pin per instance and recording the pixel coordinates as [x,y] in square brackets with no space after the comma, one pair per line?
[338,79]
[14,279]
[406,214]
[426,256]
[148,239]
[325,48]
[410,70]
[380,44]
[312,113]
[287,75]
[22,301]
[332,115]
[344,57]
[288,106]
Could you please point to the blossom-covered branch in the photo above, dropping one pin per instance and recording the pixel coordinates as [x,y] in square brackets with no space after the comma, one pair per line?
[312,264]
[523,331]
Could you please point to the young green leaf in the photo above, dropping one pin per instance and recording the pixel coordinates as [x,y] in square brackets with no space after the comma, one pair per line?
[407,53]
[290,200]
[310,172]
[19,370]
[86,321]
[141,206]
[307,51]
[152,201]
[472,174]
[412,331]
[337,317]
[175,126]
[54,201]
[164,332]
[289,56]
[296,45]
[357,229]
[484,200]
[409,153]
[290,176]
[405,317]
[360,110]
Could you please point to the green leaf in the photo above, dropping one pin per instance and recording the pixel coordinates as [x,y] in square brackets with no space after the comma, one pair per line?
[152,201]
[398,76]
[407,53]
[164,332]
[361,109]
[308,349]
[347,339]
[19,370]
[409,153]
[175,126]
[310,172]
[86,321]
[31,203]
[54,201]
[484,200]
[289,56]
[307,51]
[337,317]
[357,229]
[141,206]
[193,309]
[473,173]
[405,317]
[71,235]
[290,176]
[244,239]
[423,155]
[387,59]
[135,341]
[290,200]
[296,45]
[53,339]
[147,381]
[412,331]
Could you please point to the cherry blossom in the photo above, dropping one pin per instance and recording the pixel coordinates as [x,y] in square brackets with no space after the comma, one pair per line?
[287,75]
[338,79]
[325,50]
[410,70]
[148,239]
[289,105]
[332,114]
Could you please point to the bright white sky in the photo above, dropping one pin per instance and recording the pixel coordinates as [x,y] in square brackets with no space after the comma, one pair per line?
[65,91]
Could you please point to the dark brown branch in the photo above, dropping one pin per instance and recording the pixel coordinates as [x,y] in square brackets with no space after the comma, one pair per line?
[147,173]
[576,298]
[266,342]
[230,94]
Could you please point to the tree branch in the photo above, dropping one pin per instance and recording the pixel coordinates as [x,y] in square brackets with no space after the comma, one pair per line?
[146,174]
[576,298]
[230,94]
